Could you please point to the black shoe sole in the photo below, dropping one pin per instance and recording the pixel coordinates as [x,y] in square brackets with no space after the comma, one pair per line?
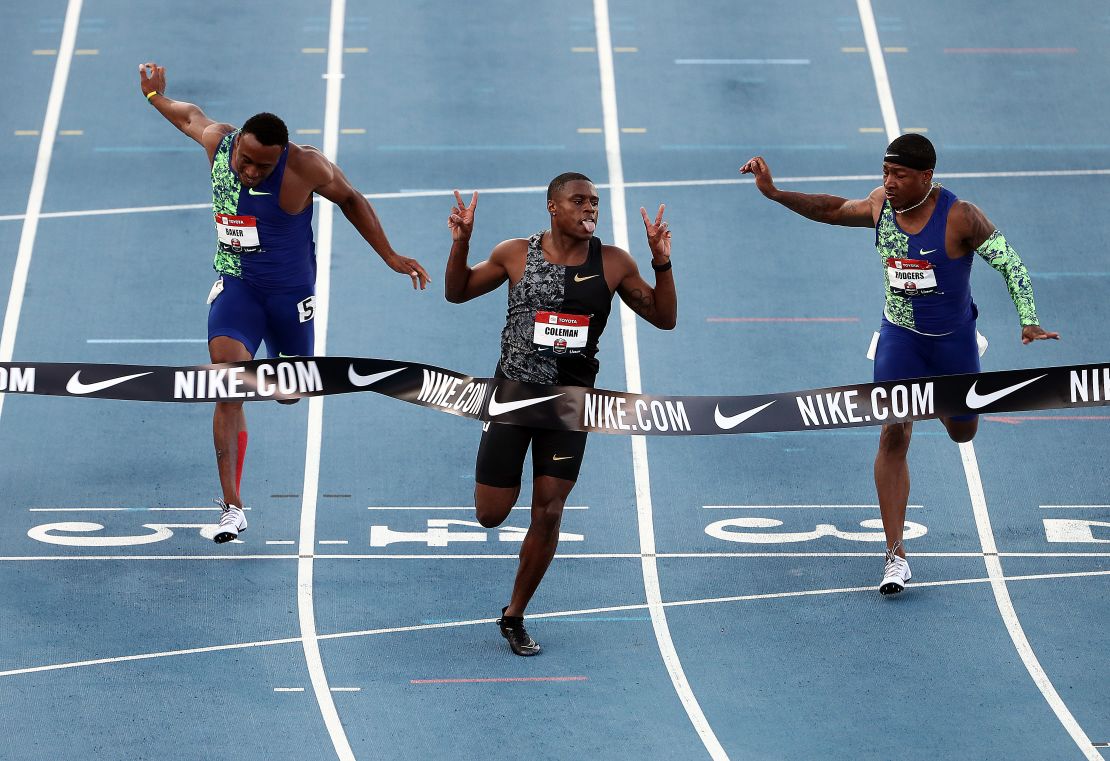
[225,536]
[890,589]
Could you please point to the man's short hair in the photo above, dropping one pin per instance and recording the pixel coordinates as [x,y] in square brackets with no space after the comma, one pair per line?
[267,128]
[912,150]
[558,183]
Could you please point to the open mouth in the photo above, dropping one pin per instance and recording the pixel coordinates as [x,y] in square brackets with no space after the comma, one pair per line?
[589,224]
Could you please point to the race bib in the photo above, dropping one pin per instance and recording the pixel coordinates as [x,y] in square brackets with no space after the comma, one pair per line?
[237,235]
[557,333]
[910,277]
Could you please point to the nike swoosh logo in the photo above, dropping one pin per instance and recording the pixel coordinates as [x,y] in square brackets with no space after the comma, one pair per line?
[580,279]
[926,253]
[975,401]
[556,457]
[75,386]
[728,422]
[500,408]
[254,192]
[366,380]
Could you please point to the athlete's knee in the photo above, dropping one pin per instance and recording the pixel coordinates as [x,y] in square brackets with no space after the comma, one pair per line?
[962,431]
[228,407]
[492,504]
[895,439]
[547,515]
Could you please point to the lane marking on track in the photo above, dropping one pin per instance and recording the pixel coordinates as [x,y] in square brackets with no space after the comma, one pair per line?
[742,61]
[558,556]
[436,193]
[146,340]
[781,319]
[306,614]
[552,615]
[502,679]
[798,507]
[38,183]
[469,508]
[640,467]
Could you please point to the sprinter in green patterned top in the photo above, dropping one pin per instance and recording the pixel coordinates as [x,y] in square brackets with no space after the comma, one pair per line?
[262,190]
[925,238]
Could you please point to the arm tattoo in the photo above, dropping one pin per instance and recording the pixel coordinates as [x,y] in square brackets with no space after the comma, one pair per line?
[642,303]
[998,253]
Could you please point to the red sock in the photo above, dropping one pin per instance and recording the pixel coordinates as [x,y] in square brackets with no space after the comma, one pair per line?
[242,456]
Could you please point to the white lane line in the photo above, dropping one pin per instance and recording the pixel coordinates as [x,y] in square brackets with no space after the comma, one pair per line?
[743,61]
[792,507]
[1070,507]
[555,614]
[146,341]
[289,689]
[38,184]
[305,606]
[559,556]
[878,69]
[1018,174]
[1006,606]
[632,372]
[971,465]
[469,508]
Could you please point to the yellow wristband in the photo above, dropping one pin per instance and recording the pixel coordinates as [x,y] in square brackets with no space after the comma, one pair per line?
[151,94]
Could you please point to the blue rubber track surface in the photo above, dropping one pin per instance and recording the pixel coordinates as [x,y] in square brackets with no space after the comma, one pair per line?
[125,633]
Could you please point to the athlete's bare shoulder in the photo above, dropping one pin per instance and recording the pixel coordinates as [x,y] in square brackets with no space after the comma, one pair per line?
[213,135]
[309,163]
[513,249]
[616,258]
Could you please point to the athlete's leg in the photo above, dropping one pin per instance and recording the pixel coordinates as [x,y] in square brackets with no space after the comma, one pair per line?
[549,495]
[900,354]
[290,329]
[236,322]
[229,424]
[892,482]
[497,471]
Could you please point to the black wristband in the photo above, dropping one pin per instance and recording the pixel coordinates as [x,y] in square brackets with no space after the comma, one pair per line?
[661,267]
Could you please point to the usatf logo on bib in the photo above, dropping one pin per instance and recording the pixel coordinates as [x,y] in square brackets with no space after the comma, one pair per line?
[557,333]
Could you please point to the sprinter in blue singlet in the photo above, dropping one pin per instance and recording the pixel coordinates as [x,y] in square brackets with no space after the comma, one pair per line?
[262,191]
[925,237]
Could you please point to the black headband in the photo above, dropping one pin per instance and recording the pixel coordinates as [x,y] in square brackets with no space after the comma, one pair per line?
[920,163]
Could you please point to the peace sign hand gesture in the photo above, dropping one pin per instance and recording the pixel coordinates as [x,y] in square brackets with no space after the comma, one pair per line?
[461,220]
[658,235]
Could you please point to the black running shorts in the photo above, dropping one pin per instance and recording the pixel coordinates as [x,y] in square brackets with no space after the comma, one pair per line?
[501,454]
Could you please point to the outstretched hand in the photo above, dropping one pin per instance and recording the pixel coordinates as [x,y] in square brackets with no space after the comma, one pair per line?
[762,173]
[412,268]
[152,78]
[461,220]
[1031,333]
[658,235]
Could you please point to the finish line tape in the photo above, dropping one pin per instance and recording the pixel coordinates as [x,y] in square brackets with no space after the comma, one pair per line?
[572,408]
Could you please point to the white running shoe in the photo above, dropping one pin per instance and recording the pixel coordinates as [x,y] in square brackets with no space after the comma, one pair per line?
[896,573]
[232,523]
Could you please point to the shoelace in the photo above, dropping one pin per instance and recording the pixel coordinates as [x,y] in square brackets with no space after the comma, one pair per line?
[892,558]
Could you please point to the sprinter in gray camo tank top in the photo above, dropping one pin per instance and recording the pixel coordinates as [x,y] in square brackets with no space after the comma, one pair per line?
[561,286]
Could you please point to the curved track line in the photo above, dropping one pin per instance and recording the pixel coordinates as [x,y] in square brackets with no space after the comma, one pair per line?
[648,563]
[555,614]
[306,612]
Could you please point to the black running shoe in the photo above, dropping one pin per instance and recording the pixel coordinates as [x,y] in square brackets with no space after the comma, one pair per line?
[512,629]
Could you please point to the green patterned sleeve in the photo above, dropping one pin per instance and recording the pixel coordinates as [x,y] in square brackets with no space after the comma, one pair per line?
[999,254]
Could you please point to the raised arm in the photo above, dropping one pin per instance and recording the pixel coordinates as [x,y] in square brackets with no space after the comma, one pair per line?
[658,305]
[832,210]
[329,181]
[185,116]
[462,282]
[977,233]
